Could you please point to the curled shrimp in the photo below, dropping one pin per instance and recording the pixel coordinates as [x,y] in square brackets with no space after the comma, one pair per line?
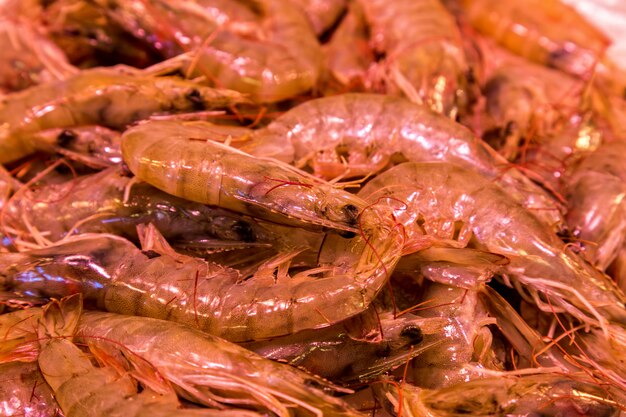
[550,33]
[266,49]
[359,134]
[105,97]
[544,394]
[83,389]
[158,282]
[166,155]
[424,53]
[454,202]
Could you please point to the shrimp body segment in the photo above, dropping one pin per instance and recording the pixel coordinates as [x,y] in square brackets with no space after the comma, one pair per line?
[450,198]
[358,134]
[166,156]
[102,97]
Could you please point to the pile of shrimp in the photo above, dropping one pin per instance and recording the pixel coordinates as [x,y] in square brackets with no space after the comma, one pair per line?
[309,208]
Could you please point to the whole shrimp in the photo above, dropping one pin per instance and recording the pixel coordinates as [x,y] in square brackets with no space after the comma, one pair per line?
[550,32]
[83,389]
[169,156]
[204,369]
[106,97]
[23,392]
[596,193]
[266,49]
[529,395]
[456,203]
[114,275]
[424,53]
[359,134]
[108,202]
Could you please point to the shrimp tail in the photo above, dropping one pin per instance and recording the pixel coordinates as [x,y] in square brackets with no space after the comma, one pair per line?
[60,318]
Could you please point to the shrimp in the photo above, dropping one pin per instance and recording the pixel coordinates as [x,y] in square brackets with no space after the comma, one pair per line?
[83,389]
[596,193]
[424,53]
[359,134]
[105,97]
[165,155]
[108,202]
[27,58]
[454,202]
[550,32]
[526,101]
[266,49]
[529,395]
[203,368]
[116,276]
[24,392]
[334,353]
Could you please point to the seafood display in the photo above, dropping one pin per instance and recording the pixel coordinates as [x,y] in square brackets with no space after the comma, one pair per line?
[311,208]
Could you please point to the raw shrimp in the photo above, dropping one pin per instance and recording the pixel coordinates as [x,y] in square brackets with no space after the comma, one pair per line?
[424,53]
[335,353]
[116,276]
[596,193]
[83,389]
[97,203]
[544,394]
[266,49]
[447,201]
[27,58]
[526,101]
[24,392]
[359,134]
[209,370]
[166,155]
[548,32]
[105,97]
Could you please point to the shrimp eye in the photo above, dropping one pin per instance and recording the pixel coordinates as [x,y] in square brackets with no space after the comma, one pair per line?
[413,333]
[351,212]
[195,98]
[66,137]
[151,254]
[244,231]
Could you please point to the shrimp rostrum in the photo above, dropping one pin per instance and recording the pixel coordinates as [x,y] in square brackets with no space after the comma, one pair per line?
[451,202]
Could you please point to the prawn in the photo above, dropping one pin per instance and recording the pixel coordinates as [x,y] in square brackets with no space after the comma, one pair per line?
[203,368]
[106,97]
[83,389]
[109,202]
[165,155]
[360,134]
[116,276]
[454,202]
[424,52]
[549,32]
[266,49]
[544,394]
[322,13]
